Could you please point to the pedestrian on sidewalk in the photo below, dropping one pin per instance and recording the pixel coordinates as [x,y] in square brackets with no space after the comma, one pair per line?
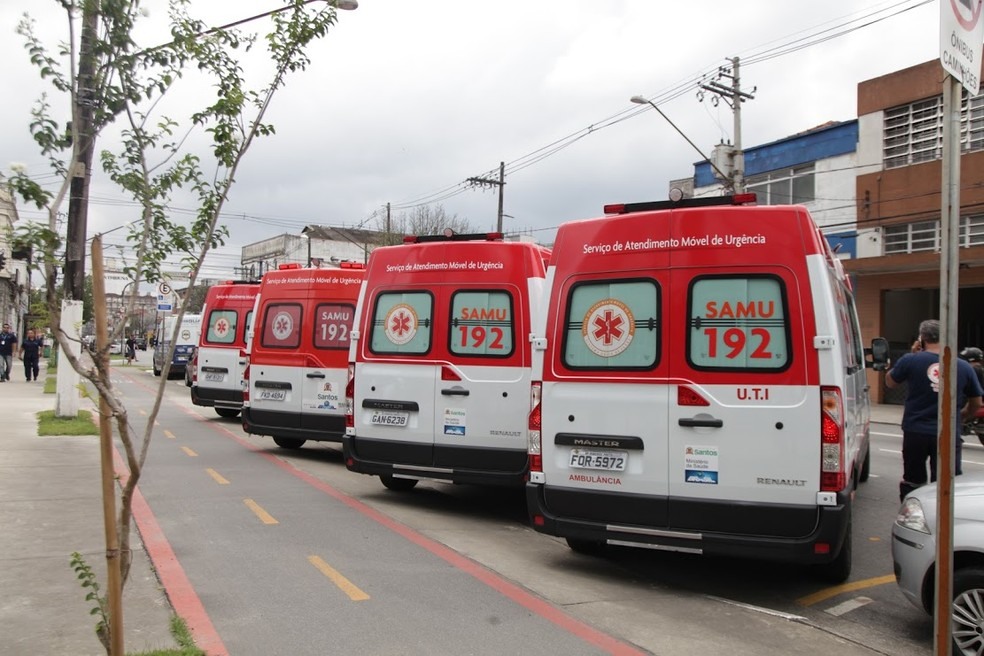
[30,353]
[8,349]
[920,370]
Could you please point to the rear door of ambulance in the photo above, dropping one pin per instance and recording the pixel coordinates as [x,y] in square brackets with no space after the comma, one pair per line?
[744,411]
[220,361]
[325,367]
[276,361]
[483,387]
[605,381]
[396,376]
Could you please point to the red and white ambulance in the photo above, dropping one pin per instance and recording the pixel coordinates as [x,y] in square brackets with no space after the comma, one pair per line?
[298,354]
[699,385]
[219,361]
[440,360]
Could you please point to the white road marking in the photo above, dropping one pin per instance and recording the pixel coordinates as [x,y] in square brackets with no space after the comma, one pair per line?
[849,605]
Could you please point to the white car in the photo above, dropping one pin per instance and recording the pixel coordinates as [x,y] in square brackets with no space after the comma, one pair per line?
[914,553]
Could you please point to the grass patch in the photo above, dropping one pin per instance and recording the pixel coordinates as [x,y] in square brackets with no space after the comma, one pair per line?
[50,384]
[181,634]
[49,424]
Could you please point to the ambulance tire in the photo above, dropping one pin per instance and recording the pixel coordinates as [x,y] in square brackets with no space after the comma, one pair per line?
[157,372]
[586,547]
[228,413]
[288,442]
[866,467]
[398,484]
[839,569]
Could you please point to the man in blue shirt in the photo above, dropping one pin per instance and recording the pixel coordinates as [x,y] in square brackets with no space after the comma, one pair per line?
[920,370]
[8,349]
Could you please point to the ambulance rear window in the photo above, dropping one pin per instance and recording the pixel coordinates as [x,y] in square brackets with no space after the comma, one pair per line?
[282,326]
[612,324]
[481,323]
[332,324]
[401,323]
[222,326]
[738,323]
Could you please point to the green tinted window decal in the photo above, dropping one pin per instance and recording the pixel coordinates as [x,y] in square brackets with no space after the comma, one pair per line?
[402,323]
[612,325]
[738,323]
[221,327]
[482,323]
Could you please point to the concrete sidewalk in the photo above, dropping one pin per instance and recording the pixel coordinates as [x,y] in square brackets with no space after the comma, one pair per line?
[51,506]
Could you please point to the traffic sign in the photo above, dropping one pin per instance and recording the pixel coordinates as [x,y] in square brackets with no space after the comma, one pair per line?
[164,307]
[163,289]
[962,40]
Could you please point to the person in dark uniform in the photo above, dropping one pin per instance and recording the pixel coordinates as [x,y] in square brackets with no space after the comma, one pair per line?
[921,371]
[8,349]
[31,354]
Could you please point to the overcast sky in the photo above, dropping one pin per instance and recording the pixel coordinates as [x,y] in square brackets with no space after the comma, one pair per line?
[405,100]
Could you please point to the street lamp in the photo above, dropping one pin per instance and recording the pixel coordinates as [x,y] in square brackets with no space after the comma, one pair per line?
[640,100]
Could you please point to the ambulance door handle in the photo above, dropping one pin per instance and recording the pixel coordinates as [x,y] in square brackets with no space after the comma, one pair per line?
[316,375]
[693,422]
[455,391]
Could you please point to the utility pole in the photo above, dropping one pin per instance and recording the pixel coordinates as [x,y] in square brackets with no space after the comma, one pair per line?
[734,97]
[84,140]
[489,182]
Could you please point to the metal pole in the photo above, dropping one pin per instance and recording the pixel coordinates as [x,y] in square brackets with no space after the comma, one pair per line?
[739,170]
[949,285]
[502,184]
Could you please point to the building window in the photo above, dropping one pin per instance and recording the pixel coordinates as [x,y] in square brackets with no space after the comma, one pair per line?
[914,132]
[784,186]
[925,235]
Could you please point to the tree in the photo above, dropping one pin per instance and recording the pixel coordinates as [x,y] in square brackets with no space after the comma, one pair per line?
[114,79]
[426,220]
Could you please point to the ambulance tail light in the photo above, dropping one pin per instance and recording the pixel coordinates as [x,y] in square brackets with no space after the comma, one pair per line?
[245,380]
[688,397]
[534,429]
[833,473]
[350,398]
[194,367]
[447,373]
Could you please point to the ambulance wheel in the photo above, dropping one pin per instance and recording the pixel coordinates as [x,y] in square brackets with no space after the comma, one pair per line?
[866,467]
[228,413]
[157,372]
[398,484]
[839,569]
[586,547]
[287,442]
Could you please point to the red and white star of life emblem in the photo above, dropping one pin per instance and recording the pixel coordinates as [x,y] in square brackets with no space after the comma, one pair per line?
[401,324]
[608,327]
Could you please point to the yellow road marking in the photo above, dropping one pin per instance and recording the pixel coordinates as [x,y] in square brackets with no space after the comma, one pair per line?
[168,434]
[189,452]
[827,593]
[264,516]
[346,586]
[217,476]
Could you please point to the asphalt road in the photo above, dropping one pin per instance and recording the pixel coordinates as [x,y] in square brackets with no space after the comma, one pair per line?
[291,553]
